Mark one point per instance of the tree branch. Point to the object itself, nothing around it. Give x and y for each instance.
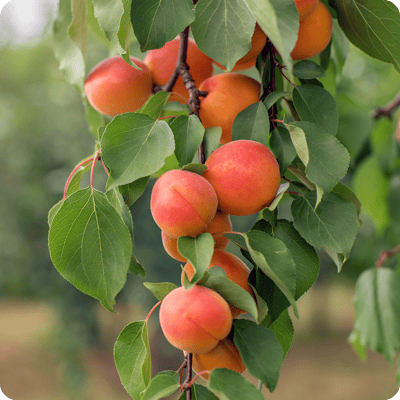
(385, 255)
(188, 379)
(388, 110)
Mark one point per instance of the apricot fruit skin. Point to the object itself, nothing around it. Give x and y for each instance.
(248, 61)
(220, 223)
(224, 355)
(162, 62)
(228, 94)
(245, 175)
(315, 32)
(114, 87)
(183, 203)
(305, 7)
(235, 269)
(195, 320)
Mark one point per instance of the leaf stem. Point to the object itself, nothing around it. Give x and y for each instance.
(73, 173)
(151, 311)
(385, 255)
(95, 158)
(189, 384)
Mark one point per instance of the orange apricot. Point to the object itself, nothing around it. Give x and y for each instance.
(245, 176)
(183, 203)
(224, 355)
(228, 94)
(220, 223)
(305, 7)
(195, 320)
(315, 32)
(115, 87)
(258, 41)
(235, 269)
(162, 62)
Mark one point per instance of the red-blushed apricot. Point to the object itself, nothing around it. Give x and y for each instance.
(245, 176)
(235, 269)
(315, 32)
(258, 41)
(305, 7)
(195, 320)
(228, 94)
(220, 223)
(162, 62)
(224, 355)
(115, 87)
(183, 203)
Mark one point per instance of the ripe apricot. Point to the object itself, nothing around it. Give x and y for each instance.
(305, 7)
(224, 355)
(162, 62)
(235, 269)
(220, 223)
(195, 320)
(245, 176)
(183, 203)
(315, 32)
(258, 41)
(115, 87)
(228, 94)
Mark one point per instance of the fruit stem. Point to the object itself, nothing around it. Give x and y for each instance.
(95, 158)
(189, 384)
(151, 311)
(73, 173)
(385, 255)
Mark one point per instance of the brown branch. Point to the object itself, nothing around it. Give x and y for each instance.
(186, 384)
(385, 255)
(388, 110)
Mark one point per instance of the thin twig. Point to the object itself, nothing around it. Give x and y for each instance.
(385, 255)
(388, 110)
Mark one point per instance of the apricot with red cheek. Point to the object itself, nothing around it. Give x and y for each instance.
(245, 175)
(183, 203)
(195, 320)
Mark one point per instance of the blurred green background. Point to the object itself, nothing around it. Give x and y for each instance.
(55, 342)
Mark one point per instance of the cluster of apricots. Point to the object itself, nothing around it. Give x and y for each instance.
(242, 178)
(114, 87)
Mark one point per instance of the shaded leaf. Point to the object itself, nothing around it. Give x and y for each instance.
(160, 290)
(273, 97)
(155, 105)
(283, 330)
(132, 191)
(307, 69)
(162, 385)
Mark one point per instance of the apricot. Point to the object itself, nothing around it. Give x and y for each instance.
(115, 87)
(228, 94)
(220, 223)
(315, 32)
(183, 203)
(162, 62)
(305, 7)
(195, 320)
(258, 41)
(245, 176)
(235, 269)
(224, 355)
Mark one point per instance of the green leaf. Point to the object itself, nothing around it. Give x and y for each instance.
(274, 259)
(134, 146)
(354, 340)
(347, 194)
(325, 158)
(334, 219)
(90, 245)
(252, 124)
(279, 19)
(273, 97)
(341, 46)
(53, 211)
(282, 147)
(283, 330)
(160, 290)
(315, 104)
(132, 358)
(232, 293)
(223, 30)
(212, 137)
(262, 306)
(188, 133)
(67, 52)
(155, 105)
(230, 385)
(132, 191)
(162, 385)
(95, 120)
(196, 168)
(260, 351)
(307, 69)
(78, 29)
(198, 251)
(199, 392)
(156, 22)
(377, 311)
(372, 26)
(278, 197)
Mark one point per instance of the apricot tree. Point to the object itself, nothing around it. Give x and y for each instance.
(239, 146)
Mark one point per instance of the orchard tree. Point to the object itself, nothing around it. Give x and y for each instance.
(222, 143)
